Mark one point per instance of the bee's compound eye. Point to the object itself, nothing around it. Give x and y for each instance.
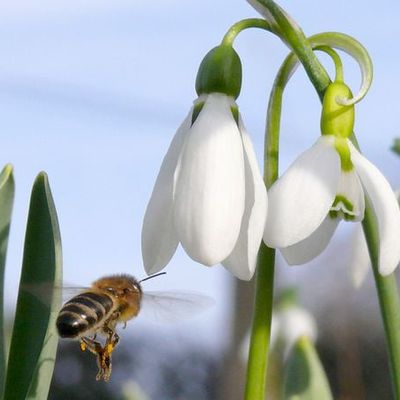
(111, 290)
(127, 290)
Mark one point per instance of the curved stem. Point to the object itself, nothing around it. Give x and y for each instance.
(235, 29)
(298, 43)
(336, 60)
(355, 49)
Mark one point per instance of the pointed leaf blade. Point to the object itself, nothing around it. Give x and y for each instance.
(33, 347)
(7, 189)
(305, 377)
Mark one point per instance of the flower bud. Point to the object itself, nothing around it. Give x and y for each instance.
(220, 72)
(337, 119)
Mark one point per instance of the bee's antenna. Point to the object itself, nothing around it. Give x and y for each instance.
(152, 276)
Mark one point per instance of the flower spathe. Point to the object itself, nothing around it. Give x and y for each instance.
(209, 194)
(326, 184)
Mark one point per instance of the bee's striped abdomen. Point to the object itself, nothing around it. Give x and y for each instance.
(82, 313)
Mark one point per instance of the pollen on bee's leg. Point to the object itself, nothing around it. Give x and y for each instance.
(83, 346)
(104, 364)
(109, 348)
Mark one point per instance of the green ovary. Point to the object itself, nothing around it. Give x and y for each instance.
(337, 119)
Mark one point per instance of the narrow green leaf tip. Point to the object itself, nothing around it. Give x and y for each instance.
(305, 377)
(34, 334)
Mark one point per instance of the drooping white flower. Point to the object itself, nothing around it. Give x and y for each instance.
(328, 183)
(209, 194)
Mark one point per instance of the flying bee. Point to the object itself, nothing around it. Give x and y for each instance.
(117, 299)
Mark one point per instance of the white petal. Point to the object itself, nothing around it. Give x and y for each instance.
(350, 188)
(301, 198)
(312, 246)
(209, 192)
(242, 260)
(360, 263)
(159, 239)
(386, 208)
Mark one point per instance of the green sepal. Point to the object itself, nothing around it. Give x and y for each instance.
(305, 377)
(196, 110)
(288, 298)
(235, 114)
(337, 119)
(220, 72)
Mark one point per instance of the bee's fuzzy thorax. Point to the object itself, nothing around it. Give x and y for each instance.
(117, 281)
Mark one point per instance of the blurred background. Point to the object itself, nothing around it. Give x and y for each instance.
(92, 93)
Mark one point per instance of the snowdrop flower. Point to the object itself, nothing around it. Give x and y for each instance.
(326, 184)
(289, 322)
(209, 194)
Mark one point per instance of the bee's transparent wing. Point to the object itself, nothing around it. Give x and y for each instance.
(173, 306)
(45, 292)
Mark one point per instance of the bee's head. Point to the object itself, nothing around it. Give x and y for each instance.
(120, 286)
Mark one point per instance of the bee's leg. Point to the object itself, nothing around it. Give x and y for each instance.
(112, 338)
(105, 365)
(91, 345)
(103, 357)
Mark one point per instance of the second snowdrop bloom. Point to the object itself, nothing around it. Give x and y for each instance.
(326, 184)
(209, 194)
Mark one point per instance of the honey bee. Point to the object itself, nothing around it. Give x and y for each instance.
(112, 300)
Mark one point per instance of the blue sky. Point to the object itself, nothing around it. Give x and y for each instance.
(92, 92)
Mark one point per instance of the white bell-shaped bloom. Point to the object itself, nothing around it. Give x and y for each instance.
(209, 194)
(315, 193)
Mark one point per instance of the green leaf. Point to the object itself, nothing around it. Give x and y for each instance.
(6, 205)
(34, 339)
(305, 377)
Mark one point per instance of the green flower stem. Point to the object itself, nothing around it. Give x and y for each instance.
(386, 286)
(261, 327)
(388, 294)
(389, 300)
(235, 29)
